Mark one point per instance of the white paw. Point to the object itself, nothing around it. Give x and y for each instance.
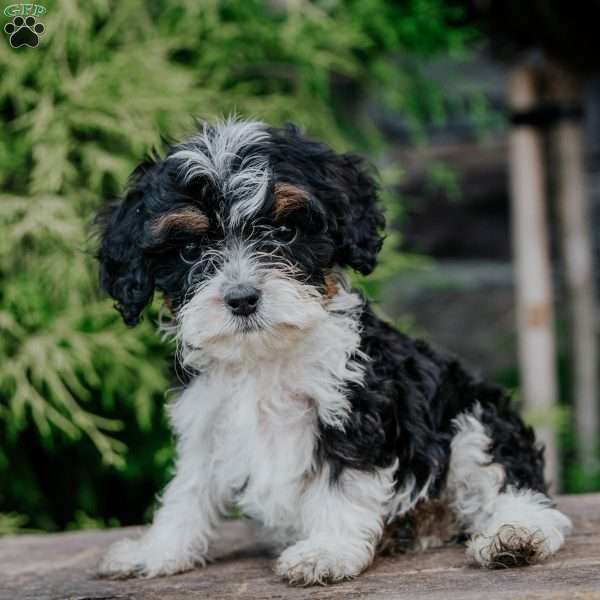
(319, 562)
(139, 558)
(520, 542)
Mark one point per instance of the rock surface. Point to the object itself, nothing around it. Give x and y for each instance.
(62, 566)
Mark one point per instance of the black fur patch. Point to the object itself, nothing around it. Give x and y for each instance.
(405, 410)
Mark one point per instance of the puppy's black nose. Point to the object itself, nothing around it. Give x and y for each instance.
(242, 299)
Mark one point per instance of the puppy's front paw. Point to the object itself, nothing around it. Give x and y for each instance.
(123, 559)
(139, 558)
(313, 562)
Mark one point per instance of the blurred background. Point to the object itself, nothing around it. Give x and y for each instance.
(483, 118)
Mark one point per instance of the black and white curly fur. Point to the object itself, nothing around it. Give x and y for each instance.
(341, 435)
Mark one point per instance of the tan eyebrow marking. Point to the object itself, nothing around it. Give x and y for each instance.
(189, 219)
(287, 199)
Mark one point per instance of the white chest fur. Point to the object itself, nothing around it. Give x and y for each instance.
(263, 445)
(252, 424)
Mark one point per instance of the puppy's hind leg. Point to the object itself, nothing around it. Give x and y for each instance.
(508, 526)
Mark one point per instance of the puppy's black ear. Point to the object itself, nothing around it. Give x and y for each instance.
(361, 222)
(344, 185)
(124, 270)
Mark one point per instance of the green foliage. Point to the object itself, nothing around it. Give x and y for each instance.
(11, 523)
(76, 388)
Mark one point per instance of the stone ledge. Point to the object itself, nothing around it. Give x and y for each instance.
(62, 566)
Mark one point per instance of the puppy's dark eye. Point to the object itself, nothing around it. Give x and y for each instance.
(285, 233)
(190, 252)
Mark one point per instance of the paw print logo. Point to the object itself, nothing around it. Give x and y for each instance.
(24, 32)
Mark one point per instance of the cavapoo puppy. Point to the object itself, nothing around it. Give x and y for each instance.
(341, 435)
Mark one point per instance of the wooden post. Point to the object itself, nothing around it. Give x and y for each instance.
(534, 296)
(577, 253)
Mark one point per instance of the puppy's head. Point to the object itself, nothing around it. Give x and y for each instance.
(241, 228)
